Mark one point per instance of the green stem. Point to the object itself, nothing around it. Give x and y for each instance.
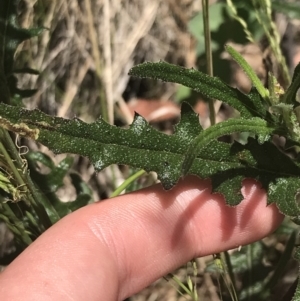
(181, 285)
(263, 11)
(15, 163)
(208, 53)
(227, 260)
(14, 224)
(127, 182)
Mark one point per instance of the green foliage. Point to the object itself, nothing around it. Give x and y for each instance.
(264, 113)
(291, 9)
(143, 147)
(233, 21)
(221, 19)
(212, 87)
(190, 150)
(28, 202)
(49, 183)
(11, 36)
(264, 93)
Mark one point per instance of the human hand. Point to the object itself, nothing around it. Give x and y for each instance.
(113, 249)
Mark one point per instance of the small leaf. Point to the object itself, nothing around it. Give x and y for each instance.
(264, 93)
(5, 184)
(211, 87)
(290, 95)
(40, 157)
(50, 181)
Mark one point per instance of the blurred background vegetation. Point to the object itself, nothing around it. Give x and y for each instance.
(83, 58)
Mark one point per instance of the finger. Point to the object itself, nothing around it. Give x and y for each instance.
(112, 249)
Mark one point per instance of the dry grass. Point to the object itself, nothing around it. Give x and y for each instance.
(86, 52)
(85, 55)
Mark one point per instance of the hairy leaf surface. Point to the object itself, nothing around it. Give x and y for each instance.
(206, 85)
(143, 147)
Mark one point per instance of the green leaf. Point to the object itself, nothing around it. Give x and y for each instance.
(292, 10)
(211, 87)
(277, 173)
(52, 178)
(143, 147)
(254, 125)
(240, 259)
(264, 93)
(290, 95)
(297, 292)
(84, 193)
(11, 36)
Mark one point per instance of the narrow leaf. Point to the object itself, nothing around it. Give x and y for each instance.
(249, 72)
(211, 87)
(290, 95)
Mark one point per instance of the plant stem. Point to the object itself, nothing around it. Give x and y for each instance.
(208, 53)
(96, 56)
(263, 11)
(127, 182)
(14, 224)
(211, 102)
(15, 163)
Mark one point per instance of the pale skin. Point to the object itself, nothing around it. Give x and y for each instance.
(113, 249)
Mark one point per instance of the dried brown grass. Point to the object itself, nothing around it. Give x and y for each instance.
(90, 46)
(86, 51)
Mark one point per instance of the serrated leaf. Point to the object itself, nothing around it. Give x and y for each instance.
(278, 174)
(143, 147)
(211, 87)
